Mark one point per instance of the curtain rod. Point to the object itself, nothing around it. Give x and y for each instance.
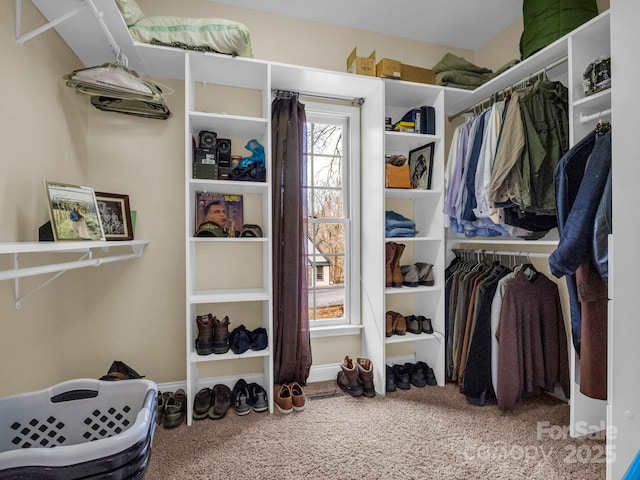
(558, 62)
(289, 94)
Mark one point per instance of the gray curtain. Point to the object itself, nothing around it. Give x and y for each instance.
(292, 343)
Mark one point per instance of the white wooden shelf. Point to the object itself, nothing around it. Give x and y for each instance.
(111, 252)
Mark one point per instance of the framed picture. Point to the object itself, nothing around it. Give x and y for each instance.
(421, 166)
(115, 215)
(73, 211)
(218, 214)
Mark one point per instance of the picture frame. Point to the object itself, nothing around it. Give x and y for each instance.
(73, 212)
(421, 166)
(115, 214)
(233, 206)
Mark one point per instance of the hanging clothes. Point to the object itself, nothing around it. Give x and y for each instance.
(581, 180)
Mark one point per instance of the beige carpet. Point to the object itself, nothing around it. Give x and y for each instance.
(423, 433)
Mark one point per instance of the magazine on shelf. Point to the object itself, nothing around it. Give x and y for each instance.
(232, 204)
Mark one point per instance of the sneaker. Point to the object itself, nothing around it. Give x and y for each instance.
(239, 340)
(425, 324)
(258, 398)
(240, 397)
(221, 402)
(174, 409)
(258, 339)
(413, 324)
(282, 398)
(297, 397)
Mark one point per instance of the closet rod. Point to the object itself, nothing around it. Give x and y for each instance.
(289, 94)
(595, 116)
(558, 62)
(504, 252)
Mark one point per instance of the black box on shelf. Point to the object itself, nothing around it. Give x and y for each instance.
(205, 163)
(224, 173)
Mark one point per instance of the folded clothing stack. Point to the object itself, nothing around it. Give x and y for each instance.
(398, 226)
(454, 71)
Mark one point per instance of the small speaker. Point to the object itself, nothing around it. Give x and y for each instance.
(208, 139)
(224, 152)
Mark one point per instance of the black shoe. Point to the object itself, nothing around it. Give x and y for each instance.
(240, 397)
(239, 340)
(390, 380)
(416, 376)
(258, 339)
(428, 373)
(425, 324)
(258, 398)
(402, 377)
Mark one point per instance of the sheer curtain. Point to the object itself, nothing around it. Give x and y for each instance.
(292, 343)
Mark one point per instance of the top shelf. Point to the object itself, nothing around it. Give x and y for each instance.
(45, 247)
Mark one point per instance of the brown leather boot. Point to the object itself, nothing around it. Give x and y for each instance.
(220, 335)
(348, 379)
(396, 272)
(204, 341)
(365, 373)
(390, 250)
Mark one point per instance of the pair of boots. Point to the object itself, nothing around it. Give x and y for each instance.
(213, 334)
(356, 378)
(419, 273)
(393, 272)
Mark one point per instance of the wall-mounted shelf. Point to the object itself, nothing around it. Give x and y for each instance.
(110, 252)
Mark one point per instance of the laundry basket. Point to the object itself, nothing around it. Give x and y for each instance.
(79, 429)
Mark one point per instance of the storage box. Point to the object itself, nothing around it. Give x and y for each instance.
(361, 65)
(409, 73)
(389, 68)
(100, 429)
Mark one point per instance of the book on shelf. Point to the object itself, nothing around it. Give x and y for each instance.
(231, 205)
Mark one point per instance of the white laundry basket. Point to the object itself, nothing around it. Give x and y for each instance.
(83, 428)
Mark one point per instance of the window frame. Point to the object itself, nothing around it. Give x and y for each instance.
(349, 115)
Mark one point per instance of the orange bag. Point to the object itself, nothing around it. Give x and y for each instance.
(397, 176)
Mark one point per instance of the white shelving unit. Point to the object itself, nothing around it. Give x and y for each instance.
(228, 274)
(109, 252)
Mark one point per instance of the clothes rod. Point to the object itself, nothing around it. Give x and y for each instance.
(289, 94)
(503, 252)
(528, 78)
(595, 116)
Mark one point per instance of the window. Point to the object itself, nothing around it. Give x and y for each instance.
(332, 155)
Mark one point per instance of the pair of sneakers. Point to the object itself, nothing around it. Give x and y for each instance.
(249, 396)
(289, 397)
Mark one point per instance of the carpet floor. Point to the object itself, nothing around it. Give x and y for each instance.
(421, 433)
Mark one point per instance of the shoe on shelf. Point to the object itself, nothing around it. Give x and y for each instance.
(220, 335)
(396, 271)
(409, 275)
(428, 373)
(258, 398)
(425, 324)
(399, 324)
(202, 403)
(240, 397)
(221, 402)
(425, 274)
(239, 340)
(297, 397)
(282, 398)
(416, 375)
(348, 379)
(174, 409)
(390, 251)
(413, 324)
(204, 340)
(388, 324)
(258, 339)
(390, 380)
(403, 381)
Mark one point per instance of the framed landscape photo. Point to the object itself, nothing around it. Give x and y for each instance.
(115, 215)
(421, 166)
(73, 212)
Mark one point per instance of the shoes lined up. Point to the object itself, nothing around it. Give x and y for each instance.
(356, 377)
(397, 275)
(398, 324)
(214, 337)
(214, 403)
(418, 374)
(171, 408)
(289, 397)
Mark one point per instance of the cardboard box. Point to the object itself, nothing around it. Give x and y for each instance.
(389, 68)
(361, 65)
(409, 73)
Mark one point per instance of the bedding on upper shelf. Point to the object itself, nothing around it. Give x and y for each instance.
(203, 34)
